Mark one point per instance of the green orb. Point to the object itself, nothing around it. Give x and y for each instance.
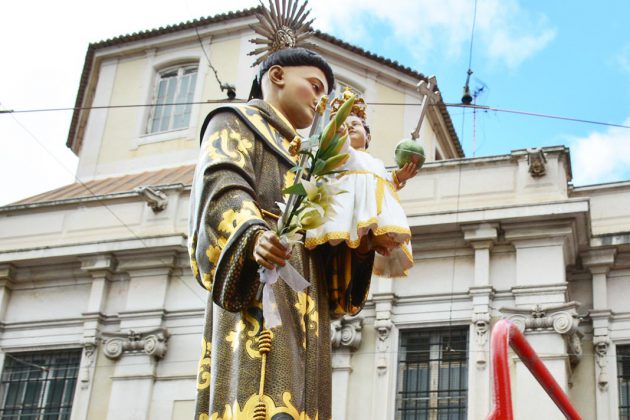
(409, 151)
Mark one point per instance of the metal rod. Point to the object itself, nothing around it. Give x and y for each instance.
(504, 333)
(321, 107)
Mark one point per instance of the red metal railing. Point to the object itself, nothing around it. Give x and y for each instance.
(504, 333)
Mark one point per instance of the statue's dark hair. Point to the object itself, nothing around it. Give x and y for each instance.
(292, 57)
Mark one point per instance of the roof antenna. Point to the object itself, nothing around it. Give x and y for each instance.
(467, 97)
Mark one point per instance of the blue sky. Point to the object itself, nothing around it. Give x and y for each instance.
(563, 58)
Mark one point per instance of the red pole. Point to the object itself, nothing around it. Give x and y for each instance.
(501, 372)
(505, 332)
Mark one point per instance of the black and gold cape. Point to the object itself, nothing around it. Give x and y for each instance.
(243, 166)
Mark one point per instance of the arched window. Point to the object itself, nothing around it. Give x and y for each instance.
(173, 94)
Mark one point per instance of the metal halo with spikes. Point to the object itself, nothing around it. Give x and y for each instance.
(281, 26)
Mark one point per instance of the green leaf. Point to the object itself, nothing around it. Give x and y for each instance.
(333, 163)
(327, 135)
(297, 189)
(296, 168)
(318, 167)
(344, 111)
(327, 152)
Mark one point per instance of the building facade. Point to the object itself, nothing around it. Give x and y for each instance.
(100, 317)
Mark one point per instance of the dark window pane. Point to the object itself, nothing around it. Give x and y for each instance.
(38, 385)
(433, 371)
(623, 381)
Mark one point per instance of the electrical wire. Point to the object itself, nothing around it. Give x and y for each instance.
(356, 354)
(231, 101)
(472, 36)
(119, 220)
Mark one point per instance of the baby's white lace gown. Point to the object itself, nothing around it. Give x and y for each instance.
(370, 203)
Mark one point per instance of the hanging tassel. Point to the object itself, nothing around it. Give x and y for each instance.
(264, 347)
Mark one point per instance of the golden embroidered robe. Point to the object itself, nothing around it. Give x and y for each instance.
(243, 167)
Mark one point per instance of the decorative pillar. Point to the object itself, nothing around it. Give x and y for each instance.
(386, 354)
(345, 337)
(140, 342)
(599, 263)
(554, 334)
(101, 269)
(137, 355)
(482, 238)
(149, 276)
(543, 251)
(7, 278)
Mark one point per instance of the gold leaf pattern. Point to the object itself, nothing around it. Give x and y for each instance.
(234, 337)
(309, 316)
(233, 219)
(230, 145)
(203, 376)
(235, 412)
(192, 245)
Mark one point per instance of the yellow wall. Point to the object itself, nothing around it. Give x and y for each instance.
(122, 131)
(121, 126)
(386, 123)
(225, 58)
(122, 135)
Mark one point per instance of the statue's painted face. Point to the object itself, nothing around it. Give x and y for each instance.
(301, 89)
(356, 132)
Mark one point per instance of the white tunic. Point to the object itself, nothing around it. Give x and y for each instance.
(369, 203)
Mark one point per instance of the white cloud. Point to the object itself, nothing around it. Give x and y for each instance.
(504, 33)
(601, 157)
(623, 59)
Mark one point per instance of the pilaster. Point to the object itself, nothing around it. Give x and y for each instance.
(553, 331)
(543, 251)
(136, 355)
(481, 238)
(385, 356)
(7, 279)
(345, 338)
(599, 262)
(100, 268)
(141, 340)
(149, 277)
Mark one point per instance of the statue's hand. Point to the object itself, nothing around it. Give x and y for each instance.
(269, 252)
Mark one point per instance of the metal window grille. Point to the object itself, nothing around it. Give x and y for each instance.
(39, 385)
(433, 374)
(623, 381)
(174, 86)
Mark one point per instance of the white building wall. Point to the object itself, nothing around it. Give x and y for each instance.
(490, 241)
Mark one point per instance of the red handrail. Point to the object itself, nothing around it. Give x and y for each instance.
(504, 333)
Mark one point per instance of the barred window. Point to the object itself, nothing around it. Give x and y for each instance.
(433, 374)
(39, 385)
(175, 85)
(623, 381)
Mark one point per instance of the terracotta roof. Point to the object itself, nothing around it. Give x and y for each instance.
(115, 185)
(136, 36)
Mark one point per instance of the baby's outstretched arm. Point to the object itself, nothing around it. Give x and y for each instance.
(401, 175)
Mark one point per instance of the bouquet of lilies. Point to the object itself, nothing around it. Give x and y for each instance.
(310, 201)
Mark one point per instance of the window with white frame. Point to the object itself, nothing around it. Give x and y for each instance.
(432, 381)
(623, 381)
(173, 94)
(39, 385)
